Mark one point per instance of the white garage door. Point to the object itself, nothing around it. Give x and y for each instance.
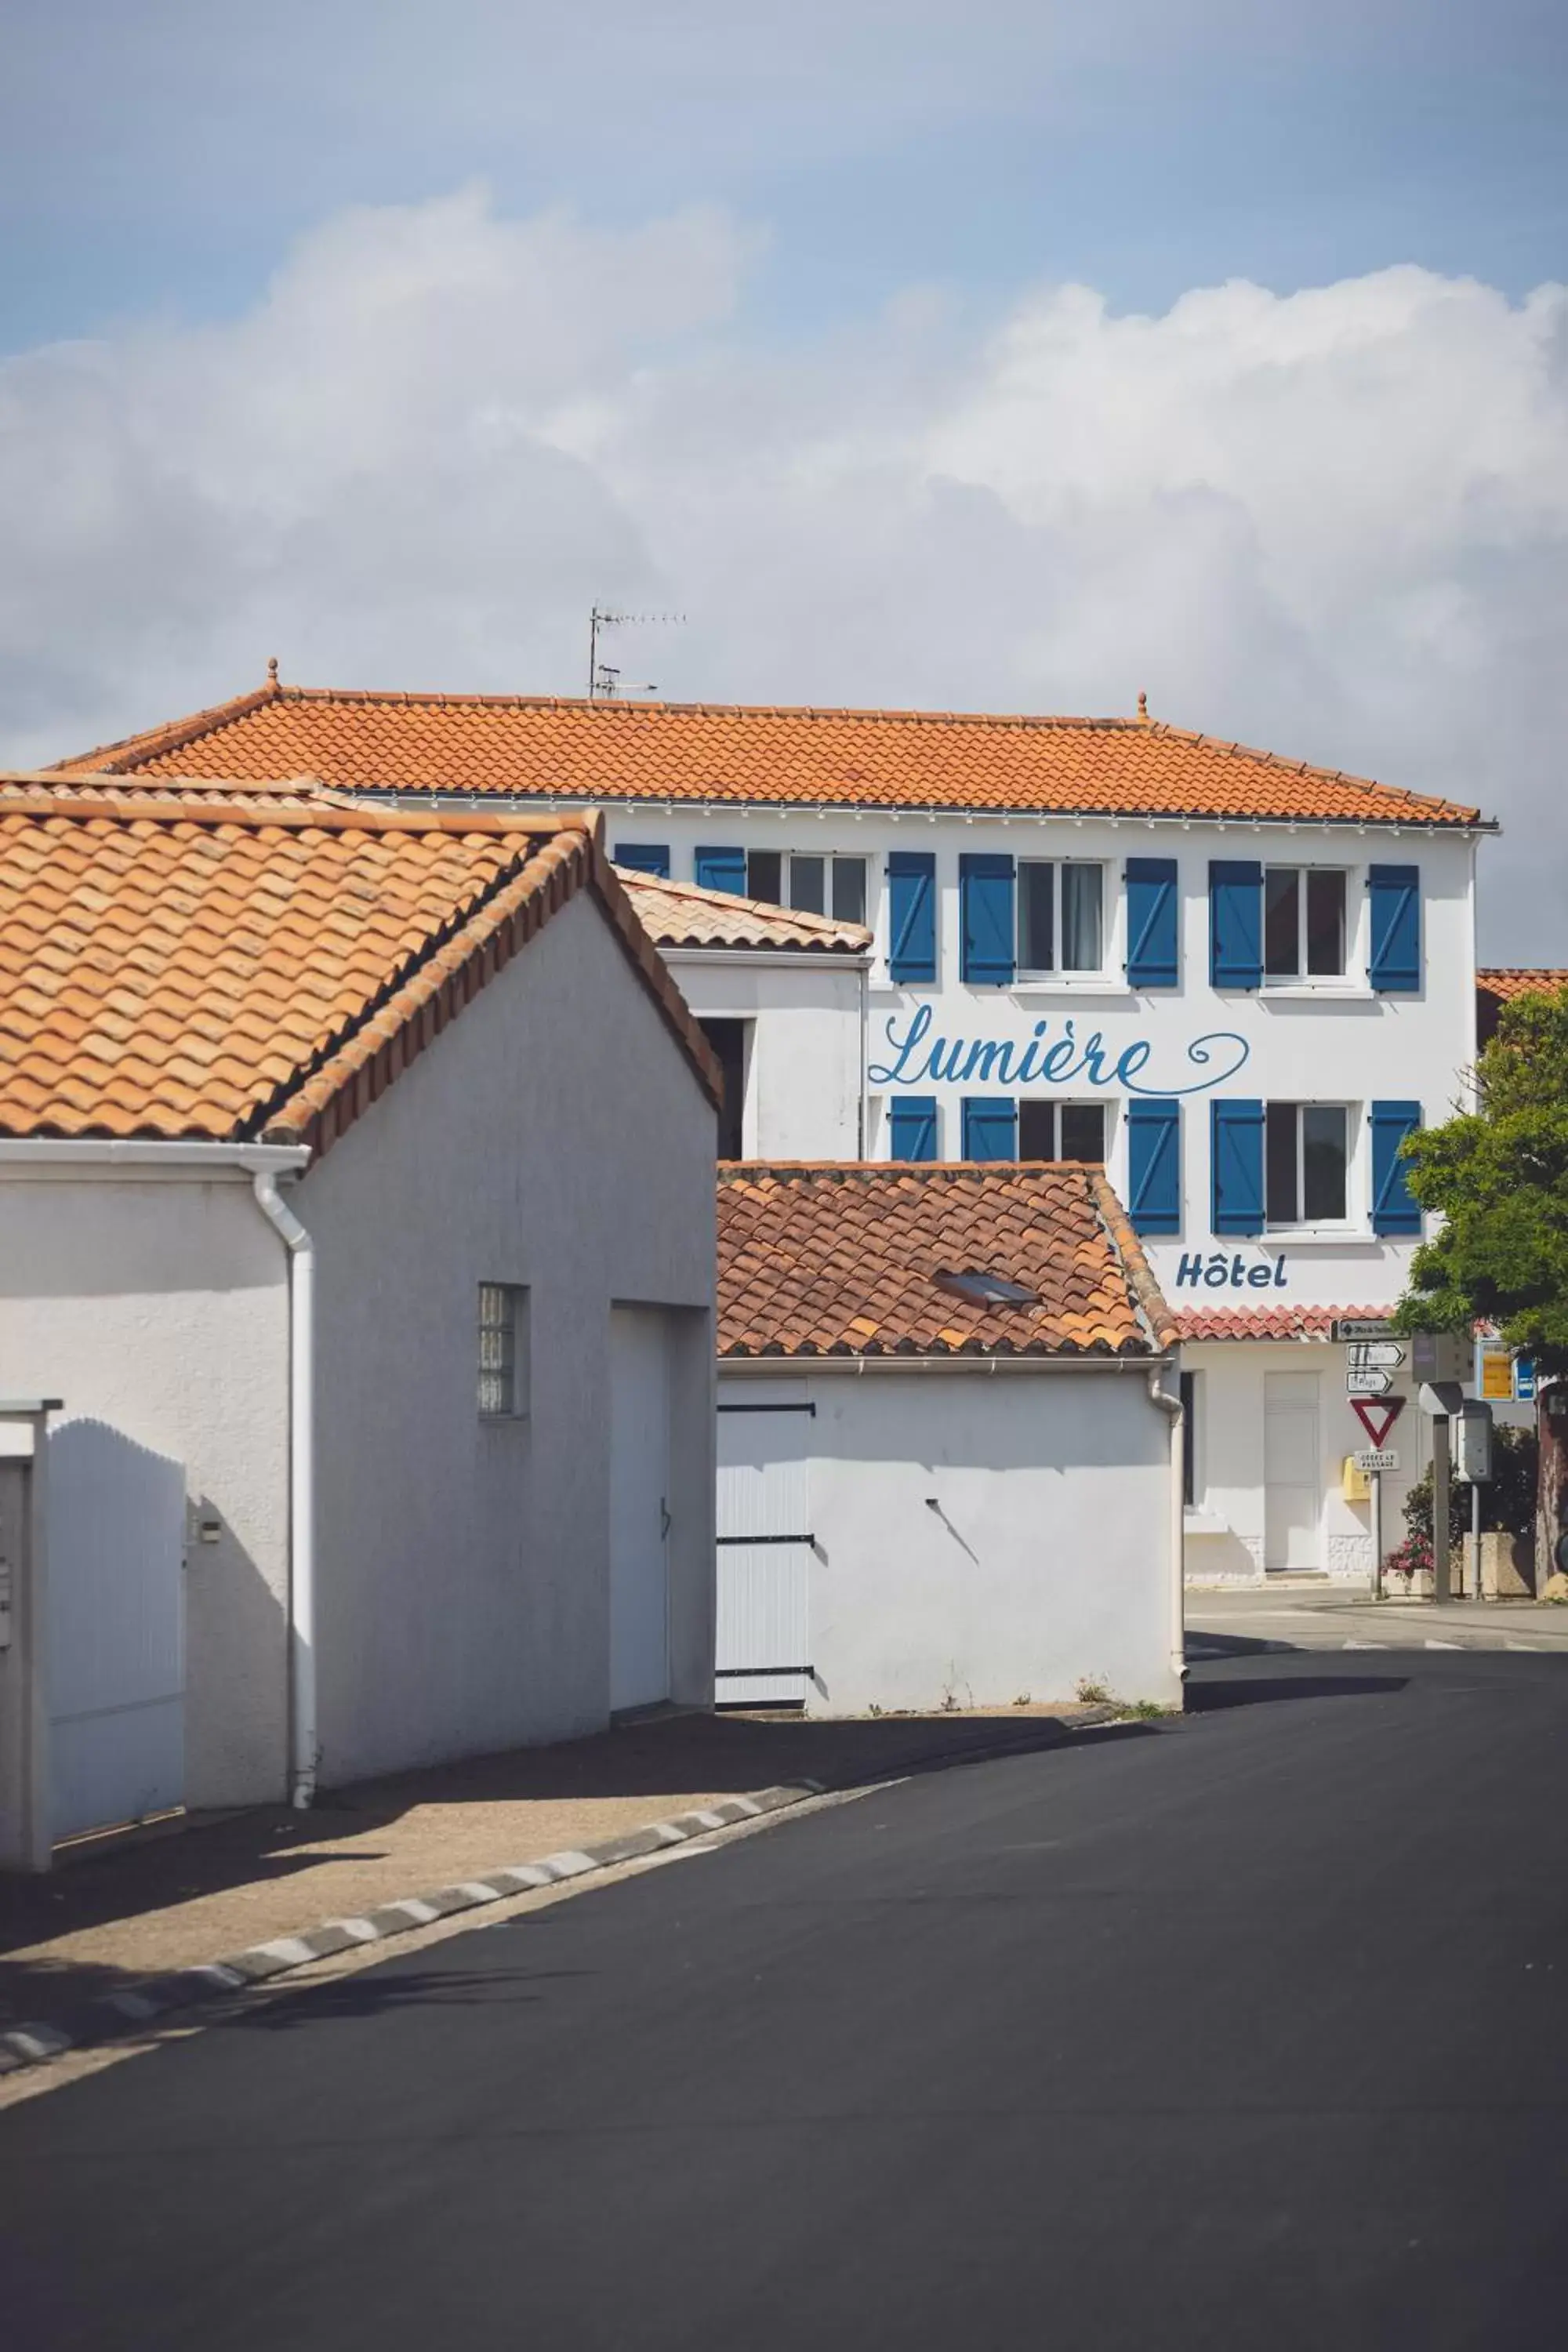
(639, 1507)
(762, 1655)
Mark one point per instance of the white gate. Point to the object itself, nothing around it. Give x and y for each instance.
(116, 1648)
(763, 1653)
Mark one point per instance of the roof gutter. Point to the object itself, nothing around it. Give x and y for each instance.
(797, 1366)
(908, 812)
(821, 957)
(184, 1162)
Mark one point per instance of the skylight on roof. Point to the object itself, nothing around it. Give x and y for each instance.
(984, 1290)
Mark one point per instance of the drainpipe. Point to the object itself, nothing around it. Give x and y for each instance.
(1172, 1407)
(301, 1487)
(863, 1121)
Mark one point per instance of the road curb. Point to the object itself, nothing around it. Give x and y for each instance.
(109, 2017)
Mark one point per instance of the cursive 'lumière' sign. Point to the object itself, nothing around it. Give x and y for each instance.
(1062, 1059)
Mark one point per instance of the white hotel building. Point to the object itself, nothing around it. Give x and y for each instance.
(1235, 980)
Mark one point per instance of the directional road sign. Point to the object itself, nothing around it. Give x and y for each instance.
(1368, 1384)
(1360, 1327)
(1366, 1353)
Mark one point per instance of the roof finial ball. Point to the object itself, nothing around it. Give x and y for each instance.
(1143, 703)
(271, 669)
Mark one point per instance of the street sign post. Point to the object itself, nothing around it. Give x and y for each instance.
(1377, 1420)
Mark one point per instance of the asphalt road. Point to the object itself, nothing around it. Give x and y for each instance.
(1249, 2031)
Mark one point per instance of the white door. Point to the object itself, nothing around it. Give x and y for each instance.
(1292, 1472)
(116, 1657)
(762, 1654)
(639, 1507)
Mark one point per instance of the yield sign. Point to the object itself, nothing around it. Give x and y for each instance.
(1377, 1416)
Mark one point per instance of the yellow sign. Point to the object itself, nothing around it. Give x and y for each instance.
(1497, 1372)
(1356, 1485)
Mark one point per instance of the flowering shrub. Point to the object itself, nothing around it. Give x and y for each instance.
(1412, 1557)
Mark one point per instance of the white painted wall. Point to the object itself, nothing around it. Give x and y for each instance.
(1046, 1561)
(555, 1137)
(804, 1065)
(1225, 1526)
(160, 1307)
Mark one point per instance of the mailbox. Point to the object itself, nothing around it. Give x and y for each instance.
(1473, 1442)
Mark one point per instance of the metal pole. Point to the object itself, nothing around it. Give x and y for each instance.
(1476, 1533)
(1377, 1535)
(1440, 1545)
(593, 650)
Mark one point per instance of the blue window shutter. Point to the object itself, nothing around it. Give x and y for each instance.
(990, 1127)
(986, 903)
(1154, 1166)
(1151, 953)
(1393, 1210)
(1236, 922)
(1236, 1166)
(913, 1127)
(644, 857)
(722, 869)
(1395, 929)
(911, 915)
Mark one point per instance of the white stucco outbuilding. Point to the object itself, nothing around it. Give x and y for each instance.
(315, 1193)
(950, 1450)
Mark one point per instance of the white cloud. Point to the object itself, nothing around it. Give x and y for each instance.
(1334, 522)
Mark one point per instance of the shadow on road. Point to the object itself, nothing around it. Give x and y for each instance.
(1212, 1697)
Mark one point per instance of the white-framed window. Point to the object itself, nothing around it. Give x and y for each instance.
(503, 1351)
(1061, 916)
(821, 884)
(1303, 922)
(1050, 1129)
(814, 882)
(1306, 1163)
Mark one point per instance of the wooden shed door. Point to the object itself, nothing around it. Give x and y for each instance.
(762, 1655)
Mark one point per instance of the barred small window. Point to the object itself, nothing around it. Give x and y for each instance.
(502, 1351)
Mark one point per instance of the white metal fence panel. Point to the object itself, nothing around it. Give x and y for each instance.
(762, 1654)
(116, 1628)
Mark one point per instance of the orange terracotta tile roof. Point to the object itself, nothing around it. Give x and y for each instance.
(140, 785)
(231, 973)
(1504, 984)
(702, 752)
(1268, 1322)
(681, 915)
(817, 1259)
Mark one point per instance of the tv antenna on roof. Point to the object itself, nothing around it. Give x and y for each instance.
(604, 677)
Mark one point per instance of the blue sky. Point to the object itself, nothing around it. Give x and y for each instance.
(160, 157)
(1003, 356)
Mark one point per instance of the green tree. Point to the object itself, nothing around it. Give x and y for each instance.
(1499, 1176)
